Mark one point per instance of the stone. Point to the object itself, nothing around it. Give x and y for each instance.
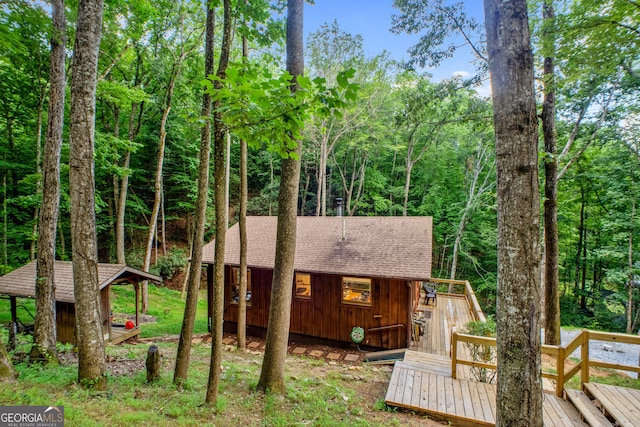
(299, 350)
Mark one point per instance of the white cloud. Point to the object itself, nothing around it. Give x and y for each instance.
(461, 74)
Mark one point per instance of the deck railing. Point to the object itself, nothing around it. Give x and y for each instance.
(468, 292)
(559, 353)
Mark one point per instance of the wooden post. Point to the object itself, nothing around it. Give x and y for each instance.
(454, 354)
(560, 367)
(153, 364)
(584, 354)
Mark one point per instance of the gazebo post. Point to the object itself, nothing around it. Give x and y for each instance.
(136, 286)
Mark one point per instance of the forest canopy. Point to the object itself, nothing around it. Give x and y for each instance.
(385, 138)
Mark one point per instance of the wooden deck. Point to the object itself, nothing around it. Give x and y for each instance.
(460, 401)
(440, 317)
(119, 334)
(422, 381)
(620, 403)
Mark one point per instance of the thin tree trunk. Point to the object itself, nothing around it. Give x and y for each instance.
(155, 212)
(36, 211)
(132, 133)
(194, 270)
(220, 180)
(630, 277)
(583, 265)
(44, 337)
(519, 394)
(576, 285)
(272, 374)
(242, 227)
(551, 291)
(89, 334)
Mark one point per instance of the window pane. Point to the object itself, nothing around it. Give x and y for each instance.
(356, 290)
(303, 285)
(235, 285)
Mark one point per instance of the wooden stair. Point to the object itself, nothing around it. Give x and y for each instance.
(589, 412)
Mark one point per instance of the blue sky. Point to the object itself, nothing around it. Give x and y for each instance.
(372, 19)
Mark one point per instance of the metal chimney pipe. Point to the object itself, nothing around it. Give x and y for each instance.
(339, 207)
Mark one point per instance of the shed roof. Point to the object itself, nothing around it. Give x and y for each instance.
(22, 281)
(393, 247)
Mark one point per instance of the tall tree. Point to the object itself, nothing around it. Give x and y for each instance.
(188, 40)
(241, 332)
(272, 374)
(331, 51)
(44, 336)
(551, 285)
(184, 346)
(221, 201)
(89, 335)
(519, 395)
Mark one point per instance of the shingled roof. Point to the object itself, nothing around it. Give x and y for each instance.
(394, 247)
(22, 281)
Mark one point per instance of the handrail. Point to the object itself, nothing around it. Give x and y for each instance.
(560, 354)
(478, 314)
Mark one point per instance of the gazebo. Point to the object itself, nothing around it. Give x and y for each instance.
(21, 283)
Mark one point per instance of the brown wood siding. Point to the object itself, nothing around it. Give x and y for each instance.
(65, 322)
(325, 316)
(105, 304)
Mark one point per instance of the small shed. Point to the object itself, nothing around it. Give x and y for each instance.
(350, 272)
(21, 283)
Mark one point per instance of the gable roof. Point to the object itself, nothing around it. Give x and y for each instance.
(22, 281)
(393, 247)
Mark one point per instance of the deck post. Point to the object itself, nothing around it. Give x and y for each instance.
(584, 354)
(560, 367)
(454, 353)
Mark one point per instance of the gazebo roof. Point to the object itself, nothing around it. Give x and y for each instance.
(392, 247)
(22, 281)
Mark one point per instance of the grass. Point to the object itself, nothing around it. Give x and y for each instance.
(164, 304)
(317, 394)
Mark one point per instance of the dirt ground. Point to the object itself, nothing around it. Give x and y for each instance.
(372, 379)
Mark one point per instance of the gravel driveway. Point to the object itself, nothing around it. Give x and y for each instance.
(611, 352)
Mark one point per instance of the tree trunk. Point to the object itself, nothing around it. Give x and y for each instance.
(272, 374)
(576, 283)
(551, 291)
(194, 274)
(583, 267)
(153, 364)
(7, 372)
(407, 181)
(36, 211)
(241, 333)
(519, 394)
(89, 335)
(44, 336)
(124, 185)
(630, 277)
(220, 196)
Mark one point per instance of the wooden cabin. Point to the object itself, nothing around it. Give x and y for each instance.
(21, 283)
(350, 272)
